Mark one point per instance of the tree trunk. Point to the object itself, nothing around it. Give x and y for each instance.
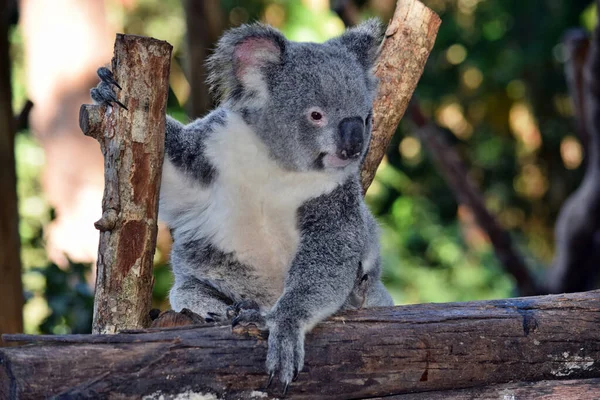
(132, 142)
(11, 290)
(204, 24)
(408, 41)
(372, 352)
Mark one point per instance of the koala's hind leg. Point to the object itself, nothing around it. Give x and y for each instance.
(203, 297)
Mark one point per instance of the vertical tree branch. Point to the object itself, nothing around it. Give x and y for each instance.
(11, 290)
(204, 24)
(408, 41)
(132, 142)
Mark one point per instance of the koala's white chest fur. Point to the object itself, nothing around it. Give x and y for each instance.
(251, 208)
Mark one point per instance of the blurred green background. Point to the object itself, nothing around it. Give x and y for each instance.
(494, 80)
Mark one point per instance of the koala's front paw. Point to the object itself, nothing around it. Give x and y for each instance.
(235, 309)
(104, 93)
(286, 352)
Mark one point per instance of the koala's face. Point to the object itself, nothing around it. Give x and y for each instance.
(311, 104)
(318, 112)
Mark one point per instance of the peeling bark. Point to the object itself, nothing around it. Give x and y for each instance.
(132, 142)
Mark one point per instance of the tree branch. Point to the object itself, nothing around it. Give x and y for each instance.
(408, 41)
(132, 142)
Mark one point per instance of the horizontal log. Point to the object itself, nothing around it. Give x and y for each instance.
(573, 389)
(369, 353)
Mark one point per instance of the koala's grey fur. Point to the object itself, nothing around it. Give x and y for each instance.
(261, 204)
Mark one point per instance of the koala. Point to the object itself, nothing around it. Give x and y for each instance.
(262, 195)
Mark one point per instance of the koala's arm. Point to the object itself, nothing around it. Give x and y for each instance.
(185, 145)
(320, 278)
(186, 168)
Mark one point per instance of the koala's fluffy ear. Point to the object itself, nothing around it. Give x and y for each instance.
(241, 58)
(363, 40)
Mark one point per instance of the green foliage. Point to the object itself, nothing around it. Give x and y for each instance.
(69, 297)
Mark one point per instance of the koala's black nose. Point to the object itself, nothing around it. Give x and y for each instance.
(350, 139)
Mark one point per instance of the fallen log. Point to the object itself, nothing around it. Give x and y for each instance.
(376, 352)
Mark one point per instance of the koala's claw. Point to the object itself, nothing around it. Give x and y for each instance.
(103, 93)
(271, 376)
(286, 352)
(213, 317)
(249, 317)
(106, 75)
(235, 309)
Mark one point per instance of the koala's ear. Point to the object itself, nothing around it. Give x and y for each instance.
(241, 57)
(363, 41)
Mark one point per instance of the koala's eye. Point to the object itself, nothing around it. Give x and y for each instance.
(316, 116)
(364, 278)
(369, 119)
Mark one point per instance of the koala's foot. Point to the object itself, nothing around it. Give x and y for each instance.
(172, 318)
(104, 93)
(235, 309)
(246, 319)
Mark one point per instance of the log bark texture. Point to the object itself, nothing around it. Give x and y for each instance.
(408, 41)
(570, 389)
(11, 290)
(369, 353)
(132, 142)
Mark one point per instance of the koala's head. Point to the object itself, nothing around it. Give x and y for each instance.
(311, 104)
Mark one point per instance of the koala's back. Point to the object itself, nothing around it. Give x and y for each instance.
(238, 231)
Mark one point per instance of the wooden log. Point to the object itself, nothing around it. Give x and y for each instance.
(369, 353)
(408, 41)
(572, 389)
(132, 142)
